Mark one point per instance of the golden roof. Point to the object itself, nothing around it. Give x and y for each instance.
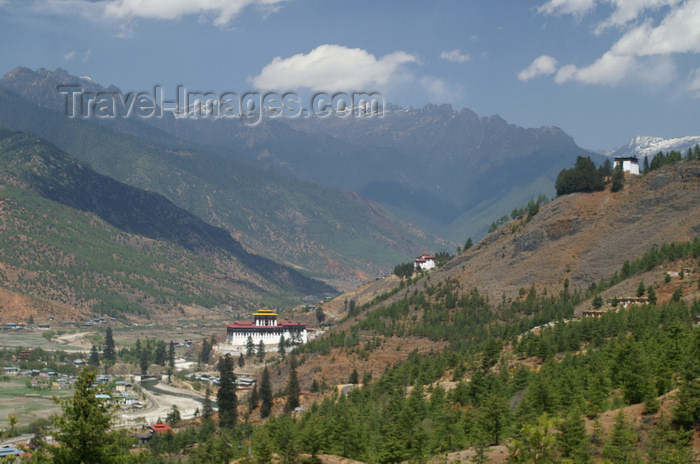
(265, 312)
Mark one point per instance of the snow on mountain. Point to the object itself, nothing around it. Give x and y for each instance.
(644, 145)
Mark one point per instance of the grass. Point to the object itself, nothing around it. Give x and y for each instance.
(32, 340)
(13, 400)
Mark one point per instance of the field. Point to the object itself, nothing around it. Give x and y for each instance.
(26, 403)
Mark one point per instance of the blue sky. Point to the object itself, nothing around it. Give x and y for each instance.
(602, 70)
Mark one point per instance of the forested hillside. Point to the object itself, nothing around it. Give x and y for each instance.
(518, 381)
(71, 236)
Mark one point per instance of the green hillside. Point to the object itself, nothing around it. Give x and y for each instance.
(73, 236)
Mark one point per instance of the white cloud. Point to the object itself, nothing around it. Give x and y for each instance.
(678, 32)
(69, 56)
(456, 56)
(88, 54)
(333, 68)
(612, 69)
(609, 69)
(565, 73)
(221, 12)
(440, 91)
(541, 66)
(572, 7)
(694, 82)
(652, 31)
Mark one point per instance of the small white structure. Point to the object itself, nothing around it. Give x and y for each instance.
(425, 262)
(629, 164)
(266, 328)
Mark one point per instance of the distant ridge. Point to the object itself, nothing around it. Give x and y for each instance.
(335, 235)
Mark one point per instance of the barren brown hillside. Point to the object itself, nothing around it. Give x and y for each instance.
(584, 236)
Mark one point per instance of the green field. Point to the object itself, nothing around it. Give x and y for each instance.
(30, 340)
(26, 403)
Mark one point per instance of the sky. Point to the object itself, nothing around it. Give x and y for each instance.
(602, 70)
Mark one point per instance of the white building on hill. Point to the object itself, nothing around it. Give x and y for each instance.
(629, 164)
(266, 328)
(425, 262)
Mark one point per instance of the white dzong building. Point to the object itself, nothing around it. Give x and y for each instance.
(266, 328)
(629, 164)
(425, 262)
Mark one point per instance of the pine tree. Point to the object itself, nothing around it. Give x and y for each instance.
(292, 387)
(144, 361)
(160, 354)
(171, 355)
(651, 295)
(494, 417)
(573, 440)
(621, 447)
(226, 396)
(667, 445)
(686, 412)
(265, 394)
(250, 347)
(618, 178)
(253, 399)
(468, 244)
(281, 348)
(173, 416)
(261, 446)
(241, 361)
(640, 289)
(597, 301)
(206, 349)
(84, 429)
(109, 352)
(354, 377)
(261, 351)
(207, 407)
(94, 359)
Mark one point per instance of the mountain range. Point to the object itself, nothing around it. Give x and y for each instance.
(646, 146)
(329, 233)
(447, 172)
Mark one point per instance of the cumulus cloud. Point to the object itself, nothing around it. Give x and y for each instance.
(651, 32)
(678, 32)
(69, 56)
(611, 69)
(333, 68)
(221, 12)
(541, 66)
(456, 56)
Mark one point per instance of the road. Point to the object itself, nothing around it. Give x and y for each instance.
(161, 397)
